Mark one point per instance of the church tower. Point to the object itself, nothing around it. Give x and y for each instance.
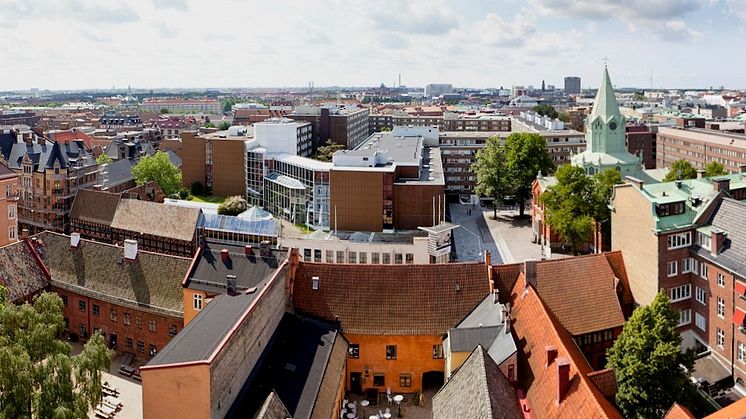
(605, 136)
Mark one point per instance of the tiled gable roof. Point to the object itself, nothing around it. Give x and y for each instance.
(20, 273)
(504, 277)
(273, 408)
(580, 292)
(391, 299)
(94, 206)
(536, 329)
(605, 381)
(728, 216)
(678, 411)
(71, 135)
(156, 219)
(477, 390)
(152, 282)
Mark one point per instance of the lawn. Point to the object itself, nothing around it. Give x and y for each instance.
(211, 199)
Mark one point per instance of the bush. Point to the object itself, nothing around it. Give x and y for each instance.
(174, 196)
(183, 194)
(233, 205)
(197, 188)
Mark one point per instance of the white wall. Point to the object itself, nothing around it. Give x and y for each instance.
(277, 137)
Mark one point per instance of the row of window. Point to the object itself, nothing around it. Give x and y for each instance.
(128, 341)
(379, 380)
(391, 351)
(384, 258)
(96, 312)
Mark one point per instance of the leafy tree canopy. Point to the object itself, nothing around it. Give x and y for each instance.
(525, 156)
(489, 168)
(325, 152)
(546, 109)
(224, 125)
(104, 159)
(681, 170)
(648, 362)
(714, 168)
(233, 205)
(158, 168)
(39, 378)
(567, 204)
(165, 110)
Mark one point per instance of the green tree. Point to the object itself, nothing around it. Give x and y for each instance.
(714, 168)
(603, 188)
(680, 170)
(197, 188)
(546, 109)
(569, 209)
(228, 104)
(326, 151)
(525, 156)
(104, 159)
(492, 178)
(224, 125)
(158, 168)
(647, 360)
(638, 96)
(564, 117)
(233, 205)
(165, 110)
(39, 378)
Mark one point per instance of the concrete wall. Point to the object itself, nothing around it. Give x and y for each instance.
(356, 200)
(235, 362)
(182, 392)
(631, 225)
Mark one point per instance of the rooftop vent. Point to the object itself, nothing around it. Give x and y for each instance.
(74, 239)
(230, 282)
(130, 249)
(224, 255)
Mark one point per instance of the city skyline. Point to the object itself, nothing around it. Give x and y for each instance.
(80, 44)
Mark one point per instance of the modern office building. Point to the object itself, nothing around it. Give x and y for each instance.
(176, 105)
(572, 85)
(700, 147)
(284, 135)
(447, 121)
(348, 127)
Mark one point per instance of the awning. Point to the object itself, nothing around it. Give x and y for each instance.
(740, 288)
(738, 317)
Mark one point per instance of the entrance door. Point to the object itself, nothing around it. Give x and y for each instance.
(356, 382)
(113, 341)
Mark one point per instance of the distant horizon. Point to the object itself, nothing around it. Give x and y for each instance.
(76, 44)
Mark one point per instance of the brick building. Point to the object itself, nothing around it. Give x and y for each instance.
(133, 297)
(700, 147)
(641, 141)
(8, 205)
(687, 238)
(215, 160)
(348, 127)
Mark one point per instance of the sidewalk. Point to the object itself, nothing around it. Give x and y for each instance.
(474, 236)
(513, 236)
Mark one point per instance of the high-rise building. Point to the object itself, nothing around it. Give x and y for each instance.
(438, 89)
(572, 85)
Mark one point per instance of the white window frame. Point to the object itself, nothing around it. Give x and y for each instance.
(680, 293)
(720, 338)
(679, 240)
(741, 352)
(197, 302)
(701, 295)
(688, 265)
(700, 321)
(721, 308)
(721, 280)
(703, 240)
(703, 270)
(12, 232)
(685, 317)
(12, 210)
(672, 268)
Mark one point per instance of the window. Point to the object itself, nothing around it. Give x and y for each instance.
(64, 300)
(673, 268)
(741, 352)
(113, 315)
(378, 380)
(317, 255)
(351, 257)
(409, 258)
(138, 322)
(354, 351)
(390, 351)
(676, 241)
(307, 255)
(152, 325)
(685, 317)
(703, 240)
(669, 209)
(437, 351)
(363, 257)
(197, 301)
(700, 321)
(329, 256)
(128, 342)
(152, 350)
(340, 256)
(720, 338)
(721, 308)
(375, 258)
(701, 296)
(140, 346)
(721, 280)
(81, 305)
(681, 293)
(398, 259)
(405, 380)
(12, 232)
(83, 330)
(386, 258)
(96, 310)
(12, 211)
(688, 265)
(703, 271)
(172, 330)
(126, 319)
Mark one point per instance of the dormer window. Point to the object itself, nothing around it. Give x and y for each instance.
(672, 208)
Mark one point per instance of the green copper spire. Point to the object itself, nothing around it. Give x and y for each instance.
(605, 105)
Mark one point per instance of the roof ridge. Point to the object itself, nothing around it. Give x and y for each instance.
(82, 239)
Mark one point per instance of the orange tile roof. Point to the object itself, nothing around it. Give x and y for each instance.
(735, 410)
(391, 299)
(580, 292)
(678, 411)
(616, 261)
(68, 136)
(535, 328)
(504, 277)
(605, 380)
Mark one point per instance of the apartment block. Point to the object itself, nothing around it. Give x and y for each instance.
(348, 127)
(700, 147)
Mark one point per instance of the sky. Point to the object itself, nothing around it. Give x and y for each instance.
(77, 44)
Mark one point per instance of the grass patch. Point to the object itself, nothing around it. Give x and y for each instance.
(210, 199)
(304, 228)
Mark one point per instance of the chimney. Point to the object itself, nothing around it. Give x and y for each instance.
(551, 355)
(635, 181)
(488, 258)
(495, 296)
(717, 239)
(230, 282)
(24, 234)
(563, 379)
(529, 271)
(248, 250)
(700, 174)
(130, 249)
(721, 184)
(74, 240)
(265, 249)
(224, 255)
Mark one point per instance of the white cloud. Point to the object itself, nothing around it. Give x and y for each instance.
(420, 17)
(171, 4)
(737, 8)
(624, 9)
(495, 31)
(676, 31)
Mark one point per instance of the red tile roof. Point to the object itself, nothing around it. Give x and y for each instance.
(605, 380)
(580, 292)
(535, 329)
(735, 410)
(68, 136)
(678, 411)
(391, 299)
(616, 261)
